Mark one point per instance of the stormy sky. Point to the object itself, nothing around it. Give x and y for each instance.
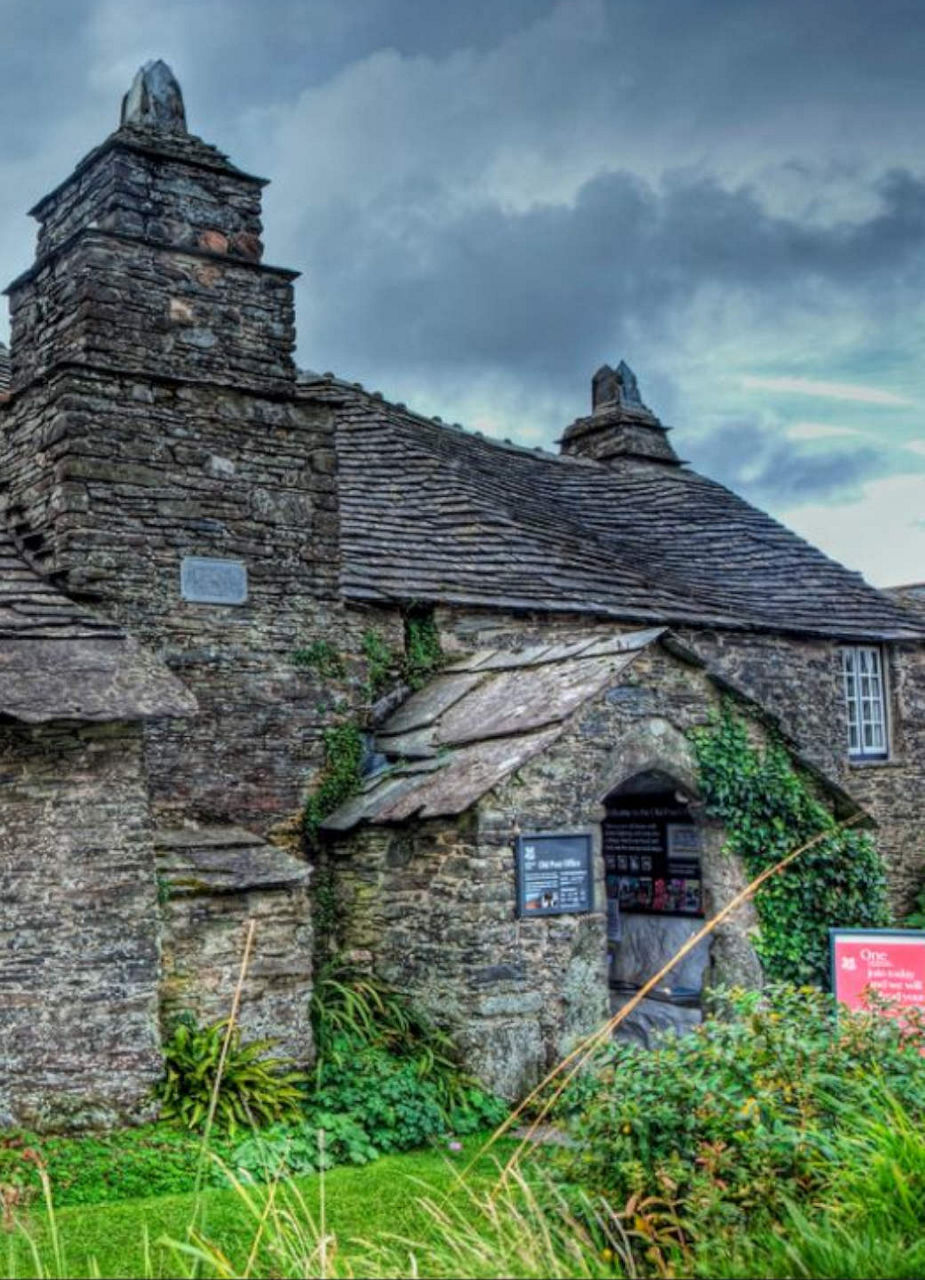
(490, 198)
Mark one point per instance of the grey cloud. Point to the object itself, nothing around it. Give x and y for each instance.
(539, 293)
(754, 461)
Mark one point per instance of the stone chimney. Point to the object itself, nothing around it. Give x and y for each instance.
(159, 460)
(620, 425)
(149, 257)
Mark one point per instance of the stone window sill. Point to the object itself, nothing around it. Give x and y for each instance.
(892, 763)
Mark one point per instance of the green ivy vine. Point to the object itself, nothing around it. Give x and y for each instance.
(768, 809)
(423, 652)
(340, 776)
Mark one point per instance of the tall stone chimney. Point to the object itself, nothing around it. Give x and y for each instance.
(620, 425)
(158, 458)
(149, 258)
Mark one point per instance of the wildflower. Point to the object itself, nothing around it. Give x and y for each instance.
(455, 1146)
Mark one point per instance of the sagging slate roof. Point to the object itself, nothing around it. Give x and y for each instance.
(479, 720)
(60, 662)
(431, 513)
(456, 739)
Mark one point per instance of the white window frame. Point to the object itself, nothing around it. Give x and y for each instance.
(866, 702)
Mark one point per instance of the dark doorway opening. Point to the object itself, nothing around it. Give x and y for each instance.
(651, 844)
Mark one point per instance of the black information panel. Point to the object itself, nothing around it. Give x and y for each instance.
(554, 874)
(652, 857)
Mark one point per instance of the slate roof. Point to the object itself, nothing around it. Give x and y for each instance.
(472, 725)
(60, 662)
(6, 372)
(216, 860)
(479, 720)
(431, 513)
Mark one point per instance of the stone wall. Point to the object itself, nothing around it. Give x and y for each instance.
(111, 482)
(78, 927)
(213, 884)
(800, 681)
(431, 905)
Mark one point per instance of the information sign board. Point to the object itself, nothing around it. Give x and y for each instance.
(886, 963)
(208, 581)
(554, 873)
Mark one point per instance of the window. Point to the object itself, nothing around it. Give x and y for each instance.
(865, 699)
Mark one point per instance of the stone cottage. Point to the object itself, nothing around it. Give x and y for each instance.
(184, 511)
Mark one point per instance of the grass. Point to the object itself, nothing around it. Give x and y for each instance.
(360, 1204)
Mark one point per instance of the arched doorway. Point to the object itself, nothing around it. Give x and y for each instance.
(651, 843)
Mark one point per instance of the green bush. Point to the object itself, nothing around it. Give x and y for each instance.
(867, 1220)
(373, 1105)
(254, 1089)
(769, 809)
(385, 1062)
(731, 1121)
(354, 1010)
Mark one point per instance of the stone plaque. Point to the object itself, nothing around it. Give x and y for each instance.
(554, 874)
(207, 581)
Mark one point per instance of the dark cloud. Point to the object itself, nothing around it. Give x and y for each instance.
(541, 293)
(756, 462)
(505, 193)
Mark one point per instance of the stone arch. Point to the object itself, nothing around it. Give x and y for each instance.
(655, 763)
(654, 746)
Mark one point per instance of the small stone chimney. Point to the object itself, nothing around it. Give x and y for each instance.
(620, 425)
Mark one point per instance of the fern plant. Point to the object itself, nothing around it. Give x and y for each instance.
(353, 1010)
(254, 1089)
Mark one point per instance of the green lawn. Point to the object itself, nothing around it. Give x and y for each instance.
(361, 1203)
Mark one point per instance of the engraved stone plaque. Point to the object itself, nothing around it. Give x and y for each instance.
(207, 581)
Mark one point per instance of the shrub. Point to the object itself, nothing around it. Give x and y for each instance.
(354, 1011)
(254, 1088)
(734, 1119)
(386, 1064)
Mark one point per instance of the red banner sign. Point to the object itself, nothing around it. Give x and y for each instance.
(886, 963)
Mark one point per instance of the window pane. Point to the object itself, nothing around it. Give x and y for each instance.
(865, 702)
